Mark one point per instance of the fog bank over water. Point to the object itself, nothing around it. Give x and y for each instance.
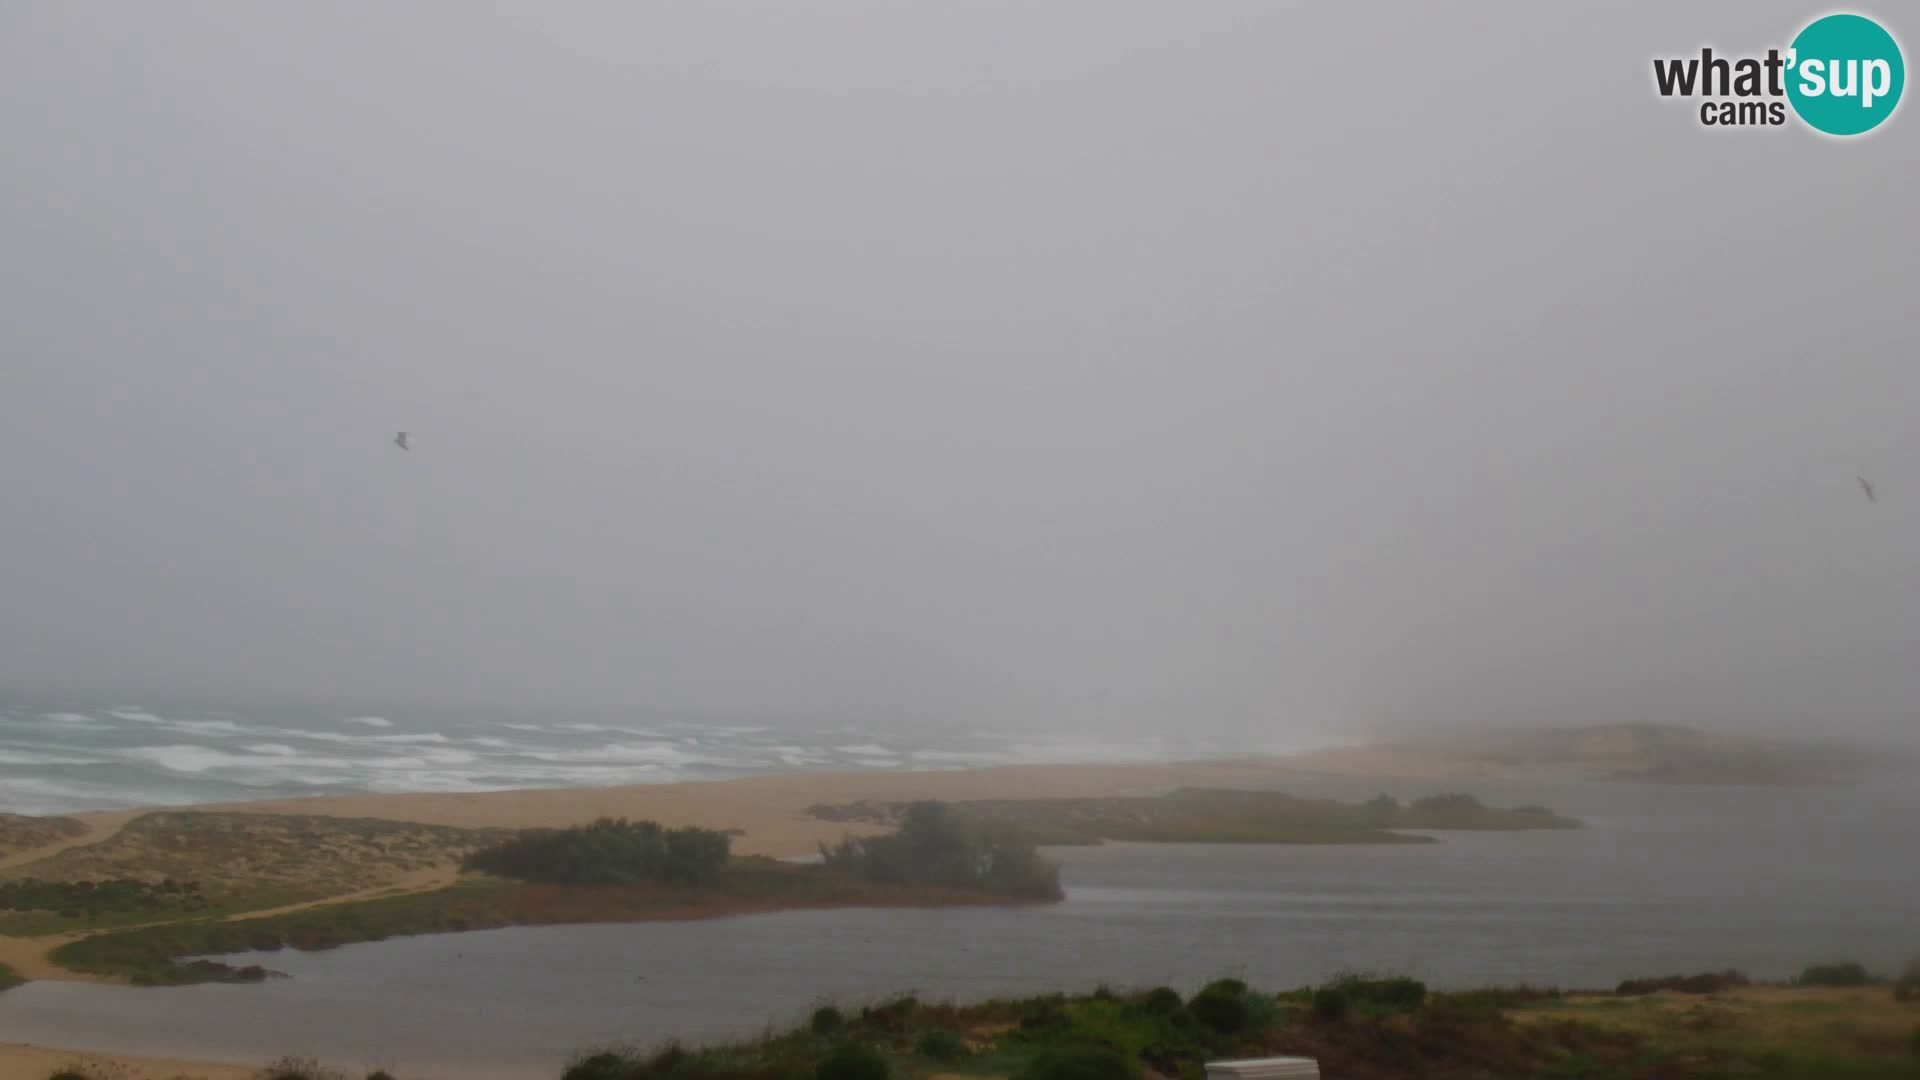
(1071, 370)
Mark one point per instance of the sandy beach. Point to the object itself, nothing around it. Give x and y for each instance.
(771, 811)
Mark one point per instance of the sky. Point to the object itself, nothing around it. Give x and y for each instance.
(1240, 368)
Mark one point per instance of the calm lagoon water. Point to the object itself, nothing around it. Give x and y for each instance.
(1664, 879)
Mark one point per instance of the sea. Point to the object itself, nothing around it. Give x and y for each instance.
(1662, 879)
(60, 755)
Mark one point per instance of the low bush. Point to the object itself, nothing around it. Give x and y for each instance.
(1396, 993)
(827, 1020)
(1079, 1063)
(1709, 982)
(936, 846)
(69, 1074)
(608, 852)
(941, 1044)
(1841, 974)
(852, 1061)
(606, 1065)
(1331, 1004)
(1223, 1007)
(1161, 1001)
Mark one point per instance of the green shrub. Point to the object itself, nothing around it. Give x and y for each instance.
(1043, 1014)
(668, 1060)
(941, 1044)
(1079, 1063)
(1223, 1007)
(608, 852)
(1710, 982)
(1394, 994)
(1161, 1001)
(936, 846)
(606, 1065)
(69, 1073)
(1330, 1003)
(1913, 1044)
(851, 1061)
(1842, 974)
(380, 1074)
(827, 1020)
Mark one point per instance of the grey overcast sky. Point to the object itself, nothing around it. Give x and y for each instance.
(1235, 367)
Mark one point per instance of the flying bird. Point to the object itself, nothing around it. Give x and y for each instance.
(1866, 486)
(400, 440)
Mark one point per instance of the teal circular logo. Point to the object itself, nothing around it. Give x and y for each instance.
(1845, 75)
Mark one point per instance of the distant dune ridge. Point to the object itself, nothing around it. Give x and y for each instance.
(1630, 752)
(20, 833)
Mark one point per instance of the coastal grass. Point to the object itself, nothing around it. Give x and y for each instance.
(1386, 1029)
(152, 955)
(9, 978)
(227, 857)
(1390, 1028)
(28, 923)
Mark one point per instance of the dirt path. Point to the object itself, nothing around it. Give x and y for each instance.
(28, 956)
(100, 826)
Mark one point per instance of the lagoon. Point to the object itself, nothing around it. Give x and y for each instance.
(1663, 879)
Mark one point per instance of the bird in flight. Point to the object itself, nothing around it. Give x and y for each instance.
(400, 440)
(1866, 486)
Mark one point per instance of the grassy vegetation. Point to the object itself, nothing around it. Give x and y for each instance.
(1357, 1027)
(9, 978)
(152, 955)
(20, 832)
(234, 857)
(608, 852)
(1209, 815)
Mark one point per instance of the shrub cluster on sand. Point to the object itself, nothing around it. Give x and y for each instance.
(936, 846)
(1222, 815)
(92, 899)
(1848, 973)
(9, 978)
(611, 851)
(1708, 982)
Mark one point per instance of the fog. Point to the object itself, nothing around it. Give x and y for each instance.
(1246, 369)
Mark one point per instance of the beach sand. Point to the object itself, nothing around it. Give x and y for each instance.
(21, 1061)
(771, 811)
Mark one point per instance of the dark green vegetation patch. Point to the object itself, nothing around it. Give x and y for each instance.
(1218, 815)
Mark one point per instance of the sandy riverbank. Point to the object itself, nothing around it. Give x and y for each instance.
(22, 1061)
